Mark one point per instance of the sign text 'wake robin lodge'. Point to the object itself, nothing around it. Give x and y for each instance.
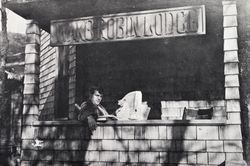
(130, 26)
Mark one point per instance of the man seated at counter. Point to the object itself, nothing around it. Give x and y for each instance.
(92, 109)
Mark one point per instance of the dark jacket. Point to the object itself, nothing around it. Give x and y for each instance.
(87, 109)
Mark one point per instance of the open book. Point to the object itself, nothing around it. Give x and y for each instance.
(106, 117)
(101, 118)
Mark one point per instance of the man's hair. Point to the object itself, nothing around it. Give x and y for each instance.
(92, 90)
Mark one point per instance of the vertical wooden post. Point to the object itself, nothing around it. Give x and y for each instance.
(231, 71)
(231, 60)
(31, 78)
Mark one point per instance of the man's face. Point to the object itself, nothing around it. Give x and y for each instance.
(96, 98)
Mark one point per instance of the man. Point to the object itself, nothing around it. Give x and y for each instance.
(92, 109)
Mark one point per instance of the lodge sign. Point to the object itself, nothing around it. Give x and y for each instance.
(130, 26)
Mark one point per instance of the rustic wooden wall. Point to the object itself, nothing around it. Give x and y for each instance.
(71, 143)
(47, 77)
(50, 76)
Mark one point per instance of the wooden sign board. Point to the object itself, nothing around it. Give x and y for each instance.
(149, 24)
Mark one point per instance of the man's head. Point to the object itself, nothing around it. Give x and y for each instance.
(95, 95)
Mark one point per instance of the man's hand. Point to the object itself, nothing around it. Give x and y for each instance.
(92, 123)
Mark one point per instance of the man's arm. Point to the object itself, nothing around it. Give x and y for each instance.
(91, 122)
(87, 114)
(84, 112)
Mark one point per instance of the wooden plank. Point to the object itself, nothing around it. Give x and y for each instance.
(47, 71)
(62, 83)
(46, 82)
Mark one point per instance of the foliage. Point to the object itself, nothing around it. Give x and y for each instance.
(16, 42)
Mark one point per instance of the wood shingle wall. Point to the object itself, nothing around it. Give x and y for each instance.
(139, 143)
(49, 61)
(47, 75)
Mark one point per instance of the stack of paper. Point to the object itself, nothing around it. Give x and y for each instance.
(132, 107)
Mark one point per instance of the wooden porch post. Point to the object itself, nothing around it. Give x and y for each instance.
(31, 79)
